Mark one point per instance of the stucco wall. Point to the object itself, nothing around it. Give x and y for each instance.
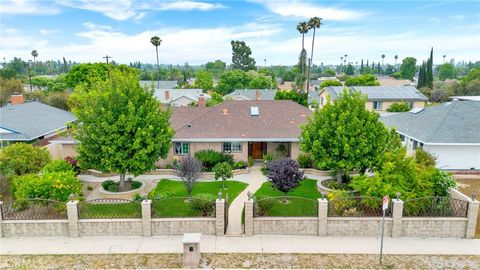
(61, 151)
(110, 227)
(387, 104)
(30, 228)
(461, 157)
(294, 150)
(285, 225)
(434, 227)
(174, 226)
(182, 101)
(366, 226)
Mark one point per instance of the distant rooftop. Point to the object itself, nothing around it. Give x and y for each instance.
(163, 84)
(173, 94)
(381, 93)
(474, 98)
(251, 94)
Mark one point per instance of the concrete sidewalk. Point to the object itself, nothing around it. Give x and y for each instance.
(255, 244)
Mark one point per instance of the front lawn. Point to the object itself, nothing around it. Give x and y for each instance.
(304, 205)
(169, 191)
(110, 210)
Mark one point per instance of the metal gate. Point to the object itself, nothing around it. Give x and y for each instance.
(225, 213)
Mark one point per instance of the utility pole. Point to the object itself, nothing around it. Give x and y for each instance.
(265, 62)
(108, 68)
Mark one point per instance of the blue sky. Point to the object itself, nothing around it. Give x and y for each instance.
(200, 31)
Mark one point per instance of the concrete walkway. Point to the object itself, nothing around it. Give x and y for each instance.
(255, 244)
(236, 207)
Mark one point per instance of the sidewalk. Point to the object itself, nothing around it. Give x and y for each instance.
(255, 244)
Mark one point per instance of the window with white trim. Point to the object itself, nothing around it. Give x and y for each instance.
(377, 105)
(181, 148)
(232, 147)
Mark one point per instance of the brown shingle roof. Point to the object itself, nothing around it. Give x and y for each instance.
(278, 120)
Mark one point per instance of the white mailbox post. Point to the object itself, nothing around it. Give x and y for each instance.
(191, 250)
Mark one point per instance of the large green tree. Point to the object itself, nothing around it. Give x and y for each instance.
(362, 80)
(446, 71)
(231, 80)
(241, 56)
(22, 158)
(408, 68)
(90, 73)
(204, 80)
(120, 126)
(344, 136)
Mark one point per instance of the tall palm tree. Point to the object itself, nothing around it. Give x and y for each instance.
(303, 29)
(313, 23)
(383, 57)
(444, 58)
(35, 55)
(396, 57)
(156, 41)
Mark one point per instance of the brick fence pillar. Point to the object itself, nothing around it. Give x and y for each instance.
(146, 218)
(322, 217)
(249, 217)
(72, 213)
(472, 218)
(1, 219)
(220, 217)
(397, 216)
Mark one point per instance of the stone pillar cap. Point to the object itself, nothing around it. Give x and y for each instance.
(191, 238)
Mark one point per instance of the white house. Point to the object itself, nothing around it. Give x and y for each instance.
(450, 131)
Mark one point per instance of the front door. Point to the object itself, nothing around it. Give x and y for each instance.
(257, 150)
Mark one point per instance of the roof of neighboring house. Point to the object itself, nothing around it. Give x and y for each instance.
(251, 94)
(162, 84)
(455, 122)
(474, 98)
(392, 82)
(175, 94)
(380, 93)
(278, 120)
(30, 120)
(286, 86)
(313, 95)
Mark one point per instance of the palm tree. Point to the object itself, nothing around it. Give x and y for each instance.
(35, 55)
(313, 23)
(303, 29)
(444, 58)
(156, 41)
(396, 57)
(383, 57)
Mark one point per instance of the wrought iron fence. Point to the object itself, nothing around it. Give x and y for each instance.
(435, 207)
(285, 206)
(109, 209)
(182, 207)
(356, 206)
(34, 209)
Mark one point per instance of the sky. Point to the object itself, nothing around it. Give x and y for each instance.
(200, 31)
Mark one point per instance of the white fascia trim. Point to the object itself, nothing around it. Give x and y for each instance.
(238, 140)
(425, 143)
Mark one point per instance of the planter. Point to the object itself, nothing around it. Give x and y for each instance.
(325, 190)
(316, 172)
(128, 195)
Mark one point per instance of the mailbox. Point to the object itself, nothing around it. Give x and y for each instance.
(191, 250)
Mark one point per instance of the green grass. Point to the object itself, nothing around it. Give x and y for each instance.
(304, 206)
(180, 207)
(114, 210)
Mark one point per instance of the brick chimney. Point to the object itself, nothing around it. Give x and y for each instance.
(17, 99)
(167, 95)
(201, 101)
(257, 95)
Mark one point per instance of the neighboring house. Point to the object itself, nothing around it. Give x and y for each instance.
(286, 86)
(31, 122)
(162, 84)
(464, 98)
(450, 131)
(180, 97)
(379, 98)
(242, 128)
(252, 94)
(392, 82)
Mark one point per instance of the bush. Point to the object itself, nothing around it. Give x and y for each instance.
(203, 203)
(240, 165)
(442, 181)
(58, 166)
(189, 170)
(399, 107)
(74, 163)
(137, 197)
(106, 184)
(22, 158)
(89, 187)
(209, 158)
(251, 161)
(424, 158)
(284, 174)
(305, 160)
(51, 185)
(263, 205)
(136, 184)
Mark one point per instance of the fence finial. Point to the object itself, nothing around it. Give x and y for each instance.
(219, 195)
(249, 194)
(71, 197)
(474, 195)
(398, 195)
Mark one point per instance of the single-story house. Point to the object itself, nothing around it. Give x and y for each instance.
(180, 97)
(252, 94)
(31, 122)
(379, 98)
(450, 131)
(160, 84)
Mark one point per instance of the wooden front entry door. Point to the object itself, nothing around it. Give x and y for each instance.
(257, 150)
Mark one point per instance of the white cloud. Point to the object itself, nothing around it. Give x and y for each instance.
(188, 5)
(27, 7)
(47, 31)
(305, 9)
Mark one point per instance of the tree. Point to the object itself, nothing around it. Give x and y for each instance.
(300, 79)
(241, 56)
(383, 57)
(399, 107)
(224, 171)
(8, 87)
(35, 55)
(329, 72)
(303, 28)
(327, 83)
(204, 80)
(313, 23)
(362, 80)
(284, 174)
(231, 80)
(120, 126)
(156, 41)
(473, 88)
(189, 170)
(429, 74)
(408, 68)
(395, 57)
(91, 73)
(216, 68)
(22, 158)
(389, 69)
(215, 99)
(446, 71)
(344, 136)
(350, 70)
(300, 98)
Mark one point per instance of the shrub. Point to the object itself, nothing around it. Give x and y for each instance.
(137, 197)
(228, 158)
(209, 158)
(51, 185)
(263, 205)
(224, 171)
(266, 160)
(58, 166)
(136, 184)
(203, 203)
(106, 184)
(305, 160)
(399, 107)
(284, 174)
(89, 187)
(189, 170)
(240, 165)
(424, 158)
(74, 163)
(251, 160)
(281, 150)
(22, 158)
(442, 181)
